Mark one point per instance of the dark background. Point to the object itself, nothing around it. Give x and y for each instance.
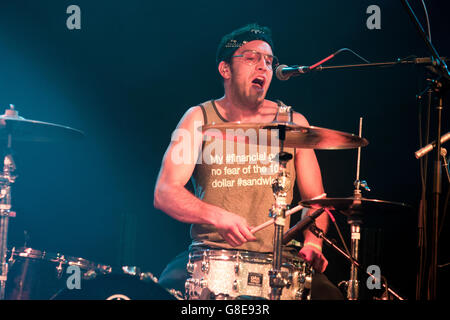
(133, 69)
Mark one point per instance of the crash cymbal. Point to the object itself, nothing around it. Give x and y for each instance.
(22, 129)
(352, 206)
(296, 136)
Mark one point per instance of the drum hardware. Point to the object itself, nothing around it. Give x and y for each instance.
(292, 136)
(14, 127)
(35, 274)
(237, 265)
(205, 263)
(353, 283)
(301, 225)
(296, 136)
(135, 285)
(280, 187)
(190, 265)
(442, 74)
(6, 180)
(354, 262)
(59, 268)
(148, 277)
(252, 281)
(355, 208)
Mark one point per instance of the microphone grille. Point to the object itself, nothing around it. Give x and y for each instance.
(279, 73)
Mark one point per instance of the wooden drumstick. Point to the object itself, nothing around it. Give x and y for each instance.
(288, 213)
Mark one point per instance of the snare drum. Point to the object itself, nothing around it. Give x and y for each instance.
(35, 274)
(233, 274)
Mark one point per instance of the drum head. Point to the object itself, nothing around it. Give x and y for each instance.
(115, 287)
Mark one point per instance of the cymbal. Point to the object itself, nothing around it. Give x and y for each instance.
(296, 136)
(22, 129)
(352, 206)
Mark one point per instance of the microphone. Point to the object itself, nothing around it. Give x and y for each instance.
(423, 151)
(301, 225)
(284, 72)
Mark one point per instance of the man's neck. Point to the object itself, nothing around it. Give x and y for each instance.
(235, 111)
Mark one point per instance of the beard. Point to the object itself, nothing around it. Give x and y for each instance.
(252, 99)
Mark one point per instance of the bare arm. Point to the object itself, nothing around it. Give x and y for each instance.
(309, 181)
(173, 198)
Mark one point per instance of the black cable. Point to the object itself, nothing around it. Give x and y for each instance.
(347, 251)
(423, 174)
(350, 50)
(428, 20)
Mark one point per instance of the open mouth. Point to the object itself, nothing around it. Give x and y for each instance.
(259, 82)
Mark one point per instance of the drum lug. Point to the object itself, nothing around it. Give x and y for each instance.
(308, 281)
(205, 266)
(189, 290)
(190, 267)
(301, 279)
(289, 280)
(205, 263)
(237, 264)
(299, 294)
(187, 284)
(203, 283)
(235, 285)
(59, 268)
(89, 275)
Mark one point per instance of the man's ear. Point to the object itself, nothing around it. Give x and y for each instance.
(225, 70)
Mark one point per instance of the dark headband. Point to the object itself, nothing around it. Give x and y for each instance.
(236, 39)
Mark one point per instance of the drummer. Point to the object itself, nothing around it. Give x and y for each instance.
(223, 194)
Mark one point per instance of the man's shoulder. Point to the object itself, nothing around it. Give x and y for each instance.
(199, 107)
(191, 115)
(300, 119)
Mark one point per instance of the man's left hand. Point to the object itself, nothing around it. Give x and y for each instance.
(315, 257)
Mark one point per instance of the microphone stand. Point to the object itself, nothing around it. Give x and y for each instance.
(438, 66)
(416, 61)
(439, 85)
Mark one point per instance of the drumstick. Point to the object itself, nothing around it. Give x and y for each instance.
(288, 213)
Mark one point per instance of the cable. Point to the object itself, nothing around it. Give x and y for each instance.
(347, 251)
(422, 227)
(347, 49)
(428, 20)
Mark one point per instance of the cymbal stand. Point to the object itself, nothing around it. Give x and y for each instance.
(320, 234)
(355, 222)
(6, 180)
(280, 187)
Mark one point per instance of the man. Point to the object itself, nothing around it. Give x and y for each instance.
(229, 198)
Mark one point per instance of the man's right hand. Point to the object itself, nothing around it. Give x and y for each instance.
(234, 229)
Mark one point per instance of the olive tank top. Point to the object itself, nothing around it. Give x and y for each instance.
(236, 175)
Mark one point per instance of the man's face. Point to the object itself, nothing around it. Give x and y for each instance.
(249, 83)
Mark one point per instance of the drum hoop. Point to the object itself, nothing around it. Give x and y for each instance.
(30, 253)
(87, 264)
(214, 254)
(231, 255)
